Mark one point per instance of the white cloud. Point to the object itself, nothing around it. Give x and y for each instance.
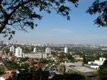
(61, 30)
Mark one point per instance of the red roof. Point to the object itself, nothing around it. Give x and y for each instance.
(14, 56)
(1, 56)
(1, 61)
(7, 75)
(14, 70)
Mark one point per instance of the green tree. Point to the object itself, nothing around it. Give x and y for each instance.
(11, 65)
(1, 71)
(24, 12)
(73, 76)
(103, 71)
(99, 6)
(30, 74)
(24, 59)
(61, 69)
(85, 60)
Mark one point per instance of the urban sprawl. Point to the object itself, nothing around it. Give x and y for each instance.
(55, 58)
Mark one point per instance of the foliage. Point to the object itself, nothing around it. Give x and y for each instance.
(24, 59)
(103, 71)
(11, 64)
(30, 74)
(99, 6)
(44, 61)
(61, 69)
(27, 50)
(33, 74)
(7, 50)
(69, 56)
(73, 76)
(62, 55)
(85, 60)
(19, 14)
(1, 71)
(54, 53)
(96, 75)
(0, 58)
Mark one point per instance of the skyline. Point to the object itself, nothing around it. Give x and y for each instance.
(54, 28)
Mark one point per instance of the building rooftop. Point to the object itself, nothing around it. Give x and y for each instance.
(6, 76)
(84, 69)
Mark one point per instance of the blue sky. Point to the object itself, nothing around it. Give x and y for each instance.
(54, 28)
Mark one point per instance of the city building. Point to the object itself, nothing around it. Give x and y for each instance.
(18, 52)
(6, 76)
(37, 55)
(66, 50)
(34, 50)
(95, 64)
(0, 52)
(1, 42)
(12, 49)
(77, 67)
(48, 50)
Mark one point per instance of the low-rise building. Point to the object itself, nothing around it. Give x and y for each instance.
(37, 55)
(95, 64)
(6, 76)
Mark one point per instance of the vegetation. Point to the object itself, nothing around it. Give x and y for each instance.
(30, 74)
(24, 12)
(100, 7)
(103, 71)
(11, 65)
(61, 69)
(44, 61)
(33, 74)
(73, 76)
(1, 71)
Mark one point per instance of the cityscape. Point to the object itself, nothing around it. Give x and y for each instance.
(57, 59)
(53, 39)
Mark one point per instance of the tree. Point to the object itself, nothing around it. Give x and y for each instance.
(99, 6)
(73, 76)
(11, 65)
(1, 71)
(103, 71)
(18, 14)
(30, 74)
(61, 69)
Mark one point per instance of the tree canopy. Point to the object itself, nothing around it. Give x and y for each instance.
(32, 74)
(99, 6)
(103, 71)
(20, 14)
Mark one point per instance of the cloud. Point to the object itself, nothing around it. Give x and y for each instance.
(61, 30)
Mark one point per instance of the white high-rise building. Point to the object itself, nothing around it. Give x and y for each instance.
(12, 49)
(66, 50)
(34, 50)
(18, 52)
(48, 50)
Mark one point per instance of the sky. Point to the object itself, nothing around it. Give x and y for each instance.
(54, 28)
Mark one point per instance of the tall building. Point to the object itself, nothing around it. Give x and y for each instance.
(18, 52)
(48, 50)
(34, 50)
(66, 50)
(12, 49)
